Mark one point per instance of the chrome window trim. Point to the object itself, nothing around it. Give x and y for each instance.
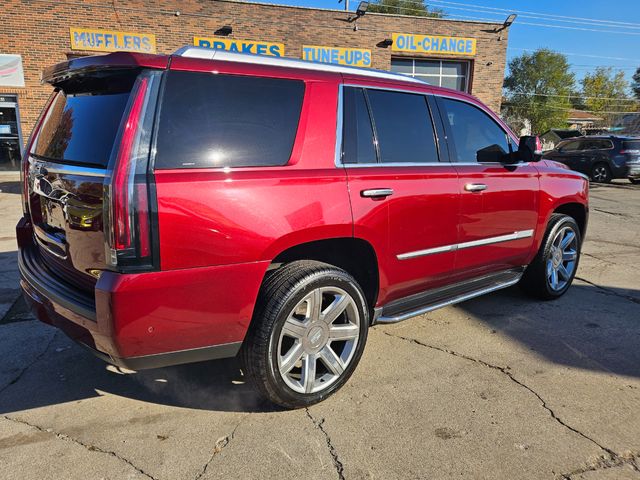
(54, 167)
(443, 163)
(460, 246)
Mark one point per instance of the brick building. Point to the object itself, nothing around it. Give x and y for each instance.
(466, 55)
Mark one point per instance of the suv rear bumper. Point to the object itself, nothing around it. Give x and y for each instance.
(146, 320)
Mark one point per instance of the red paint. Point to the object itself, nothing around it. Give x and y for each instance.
(219, 229)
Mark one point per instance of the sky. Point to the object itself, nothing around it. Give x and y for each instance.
(585, 49)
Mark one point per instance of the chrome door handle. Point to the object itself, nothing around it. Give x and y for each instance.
(377, 192)
(475, 187)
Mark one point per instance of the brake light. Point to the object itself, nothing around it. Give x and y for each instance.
(31, 142)
(630, 152)
(127, 216)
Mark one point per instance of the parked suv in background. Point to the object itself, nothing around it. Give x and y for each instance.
(196, 206)
(601, 158)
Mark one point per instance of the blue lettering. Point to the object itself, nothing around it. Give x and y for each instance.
(401, 42)
(426, 44)
(108, 38)
(443, 45)
(325, 55)
(136, 43)
(80, 38)
(469, 46)
(275, 50)
(99, 39)
(219, 45)
(261, 49)
(334, 56)
(412, 44)
(128, 40)
(357, 57)
(367, 59)
(247, 47)
(146, 44)
(234, 48)
(204, 43)
(453, 45)
(306, 53)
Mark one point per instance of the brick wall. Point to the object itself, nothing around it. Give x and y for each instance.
(39, 31)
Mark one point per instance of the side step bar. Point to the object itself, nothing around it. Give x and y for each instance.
(430, 300)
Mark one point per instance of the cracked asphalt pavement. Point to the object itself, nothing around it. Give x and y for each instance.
(496, 387)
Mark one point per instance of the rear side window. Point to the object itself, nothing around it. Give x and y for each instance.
(83, 120)
(476, 136)
(210, 120)
(357, 131)
(571, 146)
(403, 127)
(596, 144)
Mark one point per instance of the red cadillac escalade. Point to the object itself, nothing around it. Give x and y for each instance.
(208, 204)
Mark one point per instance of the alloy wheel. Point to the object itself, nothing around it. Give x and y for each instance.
(561, 262)
(318, 340)
(600, 173)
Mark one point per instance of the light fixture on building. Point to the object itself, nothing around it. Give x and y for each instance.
(387, 42)
(362, 9)
(510, 19)
(224, 31)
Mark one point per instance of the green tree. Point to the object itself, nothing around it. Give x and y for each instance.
(635, 85)
(538, 88)
(405, 7)
(605, 91)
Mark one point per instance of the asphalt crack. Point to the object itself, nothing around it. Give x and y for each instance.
(89, 447)
(221, 443)
(44, 351)
(319, 424)
(609, 291)
(603, 463)
(613, 456)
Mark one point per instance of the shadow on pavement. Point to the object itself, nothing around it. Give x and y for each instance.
(10, 187)
(588, 328)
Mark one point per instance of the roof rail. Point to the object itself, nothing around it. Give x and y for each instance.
(213, 54)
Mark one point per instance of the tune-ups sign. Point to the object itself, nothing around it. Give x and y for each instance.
(355, 57)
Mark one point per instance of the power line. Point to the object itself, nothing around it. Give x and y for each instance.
(554, 17)
(573, 96)
(552, 107)
(578, 54)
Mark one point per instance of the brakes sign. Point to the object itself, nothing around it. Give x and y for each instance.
(241, 46)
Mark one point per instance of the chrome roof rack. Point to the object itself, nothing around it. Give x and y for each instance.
(213, 54)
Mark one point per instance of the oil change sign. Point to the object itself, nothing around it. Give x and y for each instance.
(405, 42)
(111, 41)
(355, 57)
(241, 46)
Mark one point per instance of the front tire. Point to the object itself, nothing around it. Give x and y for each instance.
(601, 173)
(307, 335)
(552, 271)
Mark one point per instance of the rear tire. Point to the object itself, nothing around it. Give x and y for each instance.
(307, 335)
(601, 173)
(553, 269)
(635, 181)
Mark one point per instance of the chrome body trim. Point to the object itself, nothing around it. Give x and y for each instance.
(474, 243)
(475, 187)
(451, 301)
(53, 167)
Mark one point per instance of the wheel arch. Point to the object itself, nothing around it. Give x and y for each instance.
(354, 255)
(577, 211)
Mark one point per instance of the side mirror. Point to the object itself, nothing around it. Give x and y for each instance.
(529, 149)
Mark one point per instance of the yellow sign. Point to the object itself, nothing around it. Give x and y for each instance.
(406, 42)
(355, 57)
(241, 46)
(111, 41)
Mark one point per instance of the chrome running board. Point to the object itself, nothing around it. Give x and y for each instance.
(425, 302)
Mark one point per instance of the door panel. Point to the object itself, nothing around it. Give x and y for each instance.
(421, 214)
(498, 202)
(508, 206)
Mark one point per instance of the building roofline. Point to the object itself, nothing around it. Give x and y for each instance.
(413, 17)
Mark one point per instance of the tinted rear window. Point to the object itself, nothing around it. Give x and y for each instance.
(631, 145)
(210, 120)
(403, 125)
(81, 127)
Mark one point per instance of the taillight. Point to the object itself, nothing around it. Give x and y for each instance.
(31, 142)
(127, 194)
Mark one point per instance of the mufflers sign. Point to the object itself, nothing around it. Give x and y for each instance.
(406, 42)
(111, 41)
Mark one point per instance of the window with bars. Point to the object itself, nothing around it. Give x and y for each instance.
(441, 73)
